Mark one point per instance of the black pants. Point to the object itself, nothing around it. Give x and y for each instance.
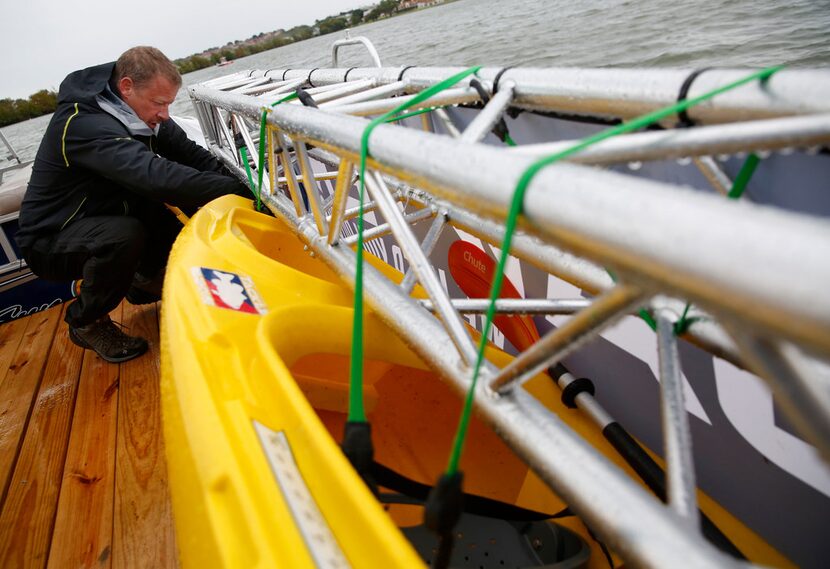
(106, 252)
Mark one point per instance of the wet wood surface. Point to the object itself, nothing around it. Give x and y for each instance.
(82, 466)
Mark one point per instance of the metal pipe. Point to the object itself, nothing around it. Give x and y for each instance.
(346, 89)
(490, 114)
(341, 196)
(427, 245)
(368, 95)
(311, 189)
(762, 135)
(446, 121)
(563, 340)
(515, 305)
(681, 489)
(794, 382)
(422, 267)
(373, 53)
(444, 98)
(713, 173)
(288, 170)
(385, 228)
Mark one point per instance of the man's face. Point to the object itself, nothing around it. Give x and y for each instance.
(151, 100)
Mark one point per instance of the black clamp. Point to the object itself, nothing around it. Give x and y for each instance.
(308, 80)
(358, 448)
(346, 76)
(574, 388)
(404, 70)
(283, 74)
(685, 120)
(497, 78)
(306, 99)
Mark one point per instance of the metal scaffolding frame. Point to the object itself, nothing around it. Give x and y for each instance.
(748, 271)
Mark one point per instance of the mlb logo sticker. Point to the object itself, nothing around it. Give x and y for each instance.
(228, 290)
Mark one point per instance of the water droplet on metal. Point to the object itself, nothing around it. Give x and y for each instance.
(635, 166)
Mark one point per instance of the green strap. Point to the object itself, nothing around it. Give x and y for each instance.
(257, 188)
(356, 410)
(516, 210)
(244, 150)
(743, 177)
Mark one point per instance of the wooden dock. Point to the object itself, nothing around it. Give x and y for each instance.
(83, 475)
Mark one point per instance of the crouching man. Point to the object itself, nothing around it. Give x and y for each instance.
(94, 208)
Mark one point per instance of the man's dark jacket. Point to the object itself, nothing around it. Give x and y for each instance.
(89, 164)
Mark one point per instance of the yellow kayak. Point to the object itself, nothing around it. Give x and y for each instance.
(255, 341)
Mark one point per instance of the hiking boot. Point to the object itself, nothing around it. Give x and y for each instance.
(107, 340)
(145, 290)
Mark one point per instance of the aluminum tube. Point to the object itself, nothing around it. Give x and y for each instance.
(317, 176)
(490, 114)
(427, 245)
(385, 228)
(561, 341)
(312, 190)
(341, 196)
(272, 96)
(368, 95)
(515, 305)
(769, 135)
(251, 86)
(447, 123)
(626, 93)
(713, 173)
(355, 211)
(373, 53)
(677, 439)
(219, 81)
(319, 89)
(346, 89)
(226, 133)
(253, 150)
(422, 267)
(805, 398)
(627, 518)
(288, 170)
(444, 98)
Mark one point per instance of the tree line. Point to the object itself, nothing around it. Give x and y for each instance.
(264, 42)
(15, 110)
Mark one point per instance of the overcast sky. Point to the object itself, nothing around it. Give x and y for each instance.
(41, 41)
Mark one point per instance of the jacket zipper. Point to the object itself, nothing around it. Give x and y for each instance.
(80, 205)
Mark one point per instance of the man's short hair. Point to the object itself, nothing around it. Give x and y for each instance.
(142, 63)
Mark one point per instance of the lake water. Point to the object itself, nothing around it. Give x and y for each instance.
(559, 33)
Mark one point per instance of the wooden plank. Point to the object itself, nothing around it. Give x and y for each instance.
(11, 334)
(143, 532)
(28, 513)
(30, 338)
(83, 524)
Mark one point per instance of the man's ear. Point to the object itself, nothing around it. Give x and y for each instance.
(126, 86)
